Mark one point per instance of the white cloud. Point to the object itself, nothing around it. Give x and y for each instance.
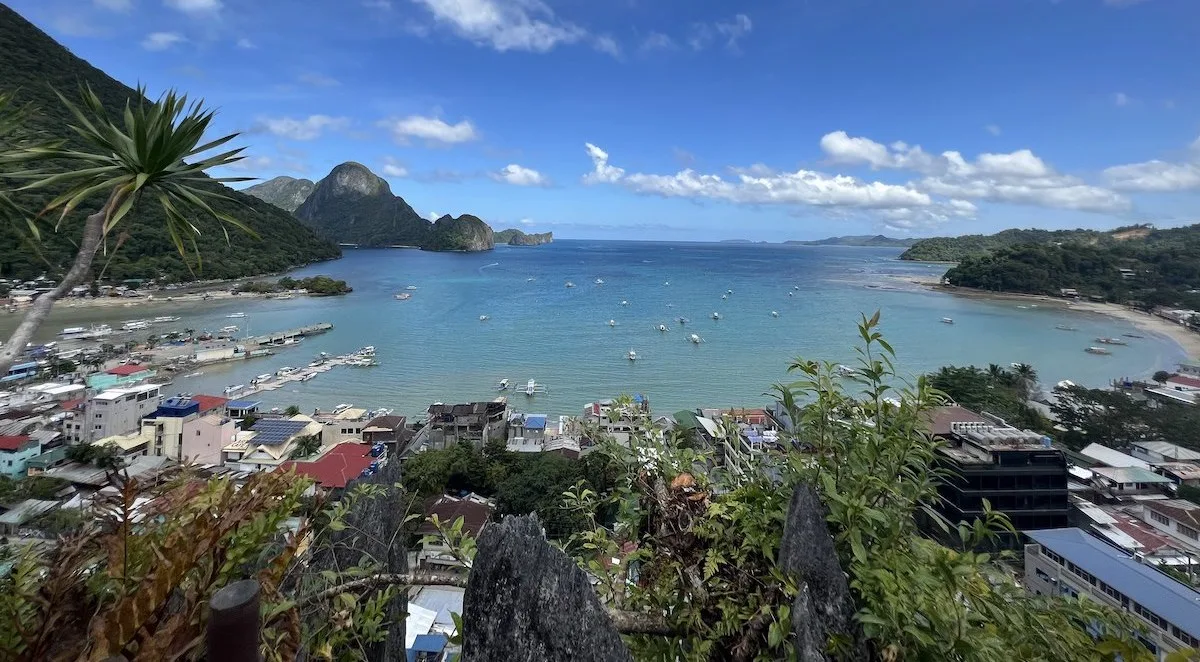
(307, 128)
(703, 35)
(657, 41)
(318, 80)
(432, 129)
(1121, 99)
(519, 25)
(1154, 175)
(606, 44)
(520, 176)
(393, 168)
(802, 187)
(1019, 177)
(114, 5)
(527, 222)
(195, 7)
(433, 216)
(992, 129)
(161, 41)
(246, 44)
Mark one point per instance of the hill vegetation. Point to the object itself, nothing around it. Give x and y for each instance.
(353, 205)
(287, 193)
(954, 249)
(314, 285)
(515, 237)
(1148, 267)
(857, 240)
(32, 67)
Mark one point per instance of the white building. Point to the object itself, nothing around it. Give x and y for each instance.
(1109, 457)
(117, 411)
(1175, 517)
(1160, 452)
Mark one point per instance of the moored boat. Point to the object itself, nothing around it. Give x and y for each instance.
(947, 320)
(1097, 350)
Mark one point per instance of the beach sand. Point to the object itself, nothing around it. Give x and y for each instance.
(1188, 340)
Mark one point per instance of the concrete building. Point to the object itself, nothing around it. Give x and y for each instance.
(15, 451)
(1103, 456)
(1180, 473)
(527, 429)
(611, 419)
(269, 443)
(1159, 452)
(190, 428)
(475, 511)
(386, 430)
(1070, 562)
(476, 422)
(114, 412)
(1175, 517)
(132, 445)
(1016, 471)
(122, 375)
(1120, 482)
(340, 465)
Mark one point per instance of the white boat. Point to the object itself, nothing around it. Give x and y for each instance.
(845, 370)
(235, 315)
(570, 284)
(165, 319)
(695, 339)
(529, 280)
(532, 388)
(307, 376)
(72, 332)
(135, 325)
(1111, 341)
(791, 294)
(411, 288)
(83, 333)
(227, 329)
(666, 283)
(947, 320)
(234, 389)
(724, 296)
(632, 355)
(728, 291)
(503, 385)
(362, 363)
(599, 281)
(774, 313)
(193, 374)
(612, 322)
(716, 316)
(266, 377)
(403, 296)
(795, 287)
(369, 350)
(342, 407)
(663, 328)
(1064, 327)
(624, 302)
(1097, 350)
(682, 321)
(285, 371)
(484, 318)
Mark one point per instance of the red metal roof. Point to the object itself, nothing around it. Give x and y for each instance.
(342, 464)
(209, 402)
(1184, 380)
(13, 443)
(126, 370)
(71, 405)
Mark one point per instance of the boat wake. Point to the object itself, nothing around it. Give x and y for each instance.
(489, 266)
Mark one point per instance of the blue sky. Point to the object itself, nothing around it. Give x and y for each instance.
(695, 119)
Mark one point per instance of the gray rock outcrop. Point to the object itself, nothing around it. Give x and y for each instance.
(824, 606)
(287, 193)
(528, 602)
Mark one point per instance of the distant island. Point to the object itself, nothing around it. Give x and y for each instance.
(1138, 265)
(876, 240)
(353, 205)
(515, 237)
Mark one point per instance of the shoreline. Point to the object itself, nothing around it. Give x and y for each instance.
(1187, 341)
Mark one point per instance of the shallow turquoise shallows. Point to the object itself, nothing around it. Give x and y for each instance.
(434, 347)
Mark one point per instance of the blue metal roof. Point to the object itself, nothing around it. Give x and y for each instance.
(272, 431)
(1155, 591)
(242, 404)
(535, 422)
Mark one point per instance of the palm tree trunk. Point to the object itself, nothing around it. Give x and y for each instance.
(93, 232)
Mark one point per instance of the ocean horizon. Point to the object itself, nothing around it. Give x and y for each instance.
(434, 347)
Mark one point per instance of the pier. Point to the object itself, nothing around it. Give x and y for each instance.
(280, 337)
(363, 358)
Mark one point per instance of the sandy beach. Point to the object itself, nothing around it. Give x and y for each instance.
(1188, 340)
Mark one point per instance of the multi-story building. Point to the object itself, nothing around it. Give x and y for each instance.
(1070, 562)
(476, 422)
(1160, 452)
(114, 412)
(269, 443)
(1016, 471)
(613, 419)
(1175, 517)
(15, 451)
(192, 428)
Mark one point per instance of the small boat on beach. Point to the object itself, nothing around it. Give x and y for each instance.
(947, 320)
(1097, 350)
(503, 385)
(235, 315)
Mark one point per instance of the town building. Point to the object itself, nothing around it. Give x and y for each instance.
(1119, 527)
(114, 412)
(386, 429)
(190, 428)
(344, 425)
(119, 376)
(1177, 518)
(1070, 562)
(132, 445)
(20, 372)
(475, 511)
(1103, 456)
(340, 465)
(240, 409)
(1016, 471)
(1159, 452)
(617, 420)
(476, 422)
(1180, 473)
(526, 430)
(1121, 482)
(15, 452)
(269, 443)
(1190, 368)
(40, 464)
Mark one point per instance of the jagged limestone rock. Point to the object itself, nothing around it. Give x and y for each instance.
(287, 193)
(824, 607)
(528, 602)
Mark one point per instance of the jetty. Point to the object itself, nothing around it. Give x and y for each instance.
(364, 357)
(280, 337)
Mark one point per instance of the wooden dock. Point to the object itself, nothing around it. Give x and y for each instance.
(279, 337)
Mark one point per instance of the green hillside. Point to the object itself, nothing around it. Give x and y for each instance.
(953, 249)
(871, 240)
(31, 64)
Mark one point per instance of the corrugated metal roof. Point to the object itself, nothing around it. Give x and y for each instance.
(1167, 449)
(535, 422)
(1148, 587)
(1130, 475)
(1113, 458)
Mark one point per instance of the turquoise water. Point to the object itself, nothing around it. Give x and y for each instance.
(434, 347)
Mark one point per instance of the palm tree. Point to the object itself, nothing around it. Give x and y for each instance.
(154, 150)
(306, 446)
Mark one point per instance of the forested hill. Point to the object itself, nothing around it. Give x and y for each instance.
(876, 240)
(32, 66)
(1154, 267)
(953, 249)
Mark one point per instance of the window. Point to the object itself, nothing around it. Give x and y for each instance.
(1041, 574)
(197, 433)
(1160, 518)
(99, 427)
(99, 415)
(1187, 531)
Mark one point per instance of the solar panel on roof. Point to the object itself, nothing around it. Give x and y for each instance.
(276, 431)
